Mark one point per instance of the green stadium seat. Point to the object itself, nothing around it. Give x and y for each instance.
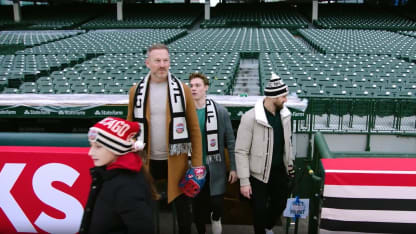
(384, 93)
(62, 86)
(406, 94)
(62, 81)
(361, 93)
(77, 81)
(28, 87)
(316, 92)
(46, 90)
(91, 80)
(118, 91)
(10, 91)
(62, 90)
(107, 81)
(128, 85)
(97, 89)
(392, 89)
(340, 93)
(44, 81)
(79, 88)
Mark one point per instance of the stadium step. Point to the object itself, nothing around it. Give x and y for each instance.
(307, 44)
(197, 24)
(247, 81)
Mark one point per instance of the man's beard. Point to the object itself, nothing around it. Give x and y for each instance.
(279, 106)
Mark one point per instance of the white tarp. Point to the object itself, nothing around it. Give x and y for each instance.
(103, 99)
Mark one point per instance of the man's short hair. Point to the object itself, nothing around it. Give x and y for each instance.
(157, 46)
(199, 75)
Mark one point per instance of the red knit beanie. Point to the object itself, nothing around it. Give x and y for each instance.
(116, 134)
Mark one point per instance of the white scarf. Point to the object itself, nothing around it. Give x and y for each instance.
(211, 129)
(179, 141)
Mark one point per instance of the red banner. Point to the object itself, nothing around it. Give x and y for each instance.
(369, 195)
(43, 189)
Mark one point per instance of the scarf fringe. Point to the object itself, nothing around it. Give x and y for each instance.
(181, 148)
(213, 158)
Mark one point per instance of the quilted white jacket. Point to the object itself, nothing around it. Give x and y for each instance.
(254, 144)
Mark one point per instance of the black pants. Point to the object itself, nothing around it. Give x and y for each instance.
(204, 204)
(183, 204)
(268, 200)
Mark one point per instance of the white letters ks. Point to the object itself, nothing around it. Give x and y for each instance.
(42, 186)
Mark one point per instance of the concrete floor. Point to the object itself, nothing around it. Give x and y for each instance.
(236, 220)
(166, 226)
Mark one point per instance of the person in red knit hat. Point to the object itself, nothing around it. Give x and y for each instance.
(120, 199)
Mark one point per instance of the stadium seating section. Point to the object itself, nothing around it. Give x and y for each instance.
(107, 41)
(340, 75)
(344, 41)
(16, 69)
(144, 16)
(409, 33)
(33, 38)
(141, 21)
(239, 40)
(232, 15)
(359, 17)
(352, 53)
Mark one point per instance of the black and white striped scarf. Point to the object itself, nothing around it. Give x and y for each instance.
(211, 129)
(179, 141)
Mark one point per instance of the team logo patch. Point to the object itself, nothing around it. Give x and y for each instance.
(199, 172)
(92, 135)
(193, 181)
(179, 128)
(213, 143)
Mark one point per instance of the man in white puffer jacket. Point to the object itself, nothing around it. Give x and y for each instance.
(264, 155)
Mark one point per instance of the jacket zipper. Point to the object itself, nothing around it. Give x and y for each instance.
(267, 154)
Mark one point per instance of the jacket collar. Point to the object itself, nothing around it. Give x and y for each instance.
(129, 161)
(260, 113)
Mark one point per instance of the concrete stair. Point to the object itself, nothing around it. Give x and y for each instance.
(247, 81)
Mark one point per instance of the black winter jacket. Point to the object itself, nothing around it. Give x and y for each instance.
(119, 202)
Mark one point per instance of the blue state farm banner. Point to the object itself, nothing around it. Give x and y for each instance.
(369, 195)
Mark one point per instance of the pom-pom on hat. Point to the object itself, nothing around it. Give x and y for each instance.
(275, 87)
(116, 134)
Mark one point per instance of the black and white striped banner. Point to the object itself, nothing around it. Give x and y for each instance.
(369, 195)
